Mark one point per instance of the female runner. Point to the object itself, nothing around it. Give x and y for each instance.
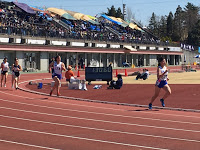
(4, 71)
(16, 68)
(161, 83)
(57, 66)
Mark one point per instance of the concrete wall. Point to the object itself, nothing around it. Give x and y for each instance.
(20, 56)
(153, 60)
(44, 61)
(189, 57)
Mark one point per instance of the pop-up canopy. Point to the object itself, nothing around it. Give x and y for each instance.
(25, 7)
(61, 13)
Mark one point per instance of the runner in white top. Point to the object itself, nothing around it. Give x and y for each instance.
(4, 71)
(57, 66)
(162, 78)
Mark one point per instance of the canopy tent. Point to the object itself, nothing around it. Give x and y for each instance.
(91, 17)
(25, 7)
(197, 56)
(41, 10)
(61, 13)
(80, 16)
(134, 26)
(108, 18)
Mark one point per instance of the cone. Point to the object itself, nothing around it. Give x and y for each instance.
(126, 73)
(116, 72)
(78, 74)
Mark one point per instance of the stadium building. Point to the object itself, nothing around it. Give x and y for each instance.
(35, 36)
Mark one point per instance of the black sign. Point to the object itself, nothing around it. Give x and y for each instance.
(98, 73)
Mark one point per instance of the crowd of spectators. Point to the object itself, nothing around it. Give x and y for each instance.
(14, 21)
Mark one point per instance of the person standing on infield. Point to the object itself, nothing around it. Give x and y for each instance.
(58, 67)
(4, 71)
(161, 83)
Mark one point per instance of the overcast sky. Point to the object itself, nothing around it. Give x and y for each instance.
(142, 9)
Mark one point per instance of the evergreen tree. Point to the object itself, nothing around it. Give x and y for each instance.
(170, 25)
(163, 26)
(111, 11)
(178, 25)
(194, 35)
(119, 13)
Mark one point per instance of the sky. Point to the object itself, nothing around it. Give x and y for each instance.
(142, 9)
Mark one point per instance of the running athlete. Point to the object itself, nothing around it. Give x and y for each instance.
(161, 83)
(4, 71)
(16, 68)
(57, 66)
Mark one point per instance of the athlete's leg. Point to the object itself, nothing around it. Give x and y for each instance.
(2, 78)
(168, 91)
(157, 91)
(6, 76)
(58, 88)
(55, 84)
(13, 80)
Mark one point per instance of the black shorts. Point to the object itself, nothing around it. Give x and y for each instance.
(16, 74)
(3, 72)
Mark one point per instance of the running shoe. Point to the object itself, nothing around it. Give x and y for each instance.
(162, 102)
(5, 85)
(150, 106)
(58, 94)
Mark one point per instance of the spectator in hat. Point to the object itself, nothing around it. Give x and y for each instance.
(116, 84)
(69, 73)
(144, 75)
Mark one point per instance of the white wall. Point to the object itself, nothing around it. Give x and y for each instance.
(153, 60)
(20, 56)
(44, 61)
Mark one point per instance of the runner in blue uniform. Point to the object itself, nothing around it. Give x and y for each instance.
(16, 68)
(161, 83)
(58, 67)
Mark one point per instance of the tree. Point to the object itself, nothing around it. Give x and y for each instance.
(178, 25)
(130, 14)
(163, 26)
(170, 25)
(111, 11)
(194, 35)
(119, 13)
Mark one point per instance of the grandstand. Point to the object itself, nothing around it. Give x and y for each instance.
(35, 35)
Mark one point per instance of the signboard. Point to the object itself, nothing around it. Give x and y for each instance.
(199, 49)
(98, 73)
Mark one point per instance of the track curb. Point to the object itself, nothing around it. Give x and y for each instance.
(104, 102)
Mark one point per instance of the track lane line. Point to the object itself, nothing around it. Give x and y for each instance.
(99, 129)
(95, 120)
(96, 113)
(81, 138)
(29, 145)
(104, 108)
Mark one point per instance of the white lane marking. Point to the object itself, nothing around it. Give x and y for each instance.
(104, 108)
(29, 145)
(106, 114)
(105, 121)
(80, 138)
(99, 129)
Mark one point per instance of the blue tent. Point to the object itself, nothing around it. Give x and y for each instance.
(106, 17)
(25, 7)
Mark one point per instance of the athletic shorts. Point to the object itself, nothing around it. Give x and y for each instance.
(4, 72)
(161, 83)
(16, 74)
(59, 76)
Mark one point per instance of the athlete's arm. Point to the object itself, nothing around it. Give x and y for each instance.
(50, 66)
(2, 66)
(63, 67)
(159, 74)
(20, 68)
(13, 67)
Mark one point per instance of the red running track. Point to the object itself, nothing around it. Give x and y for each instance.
(30, 121)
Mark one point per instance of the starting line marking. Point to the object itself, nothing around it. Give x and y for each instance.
(81, 138)
(112, 122)
(149, 112)
(99, 129)
(29, 145)
(106, 114)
